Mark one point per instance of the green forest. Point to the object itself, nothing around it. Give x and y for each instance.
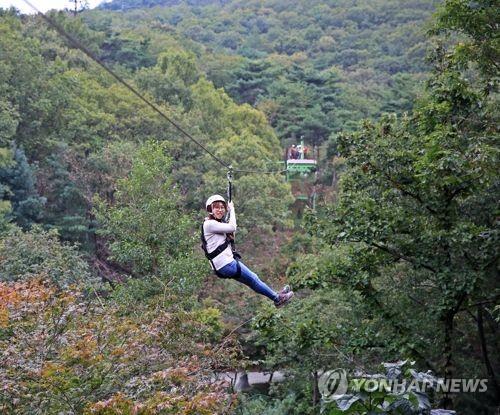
(117, 124)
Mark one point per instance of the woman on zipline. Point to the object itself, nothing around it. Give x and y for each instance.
(217, 240)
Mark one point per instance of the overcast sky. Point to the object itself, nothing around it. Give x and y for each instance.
(43, 5)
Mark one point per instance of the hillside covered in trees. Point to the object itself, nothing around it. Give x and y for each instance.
(312, 67)
(107, 304)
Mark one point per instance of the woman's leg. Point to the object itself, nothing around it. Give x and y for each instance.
(251, 279)
(229, 270)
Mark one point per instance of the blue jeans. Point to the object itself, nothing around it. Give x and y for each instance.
(248, 278)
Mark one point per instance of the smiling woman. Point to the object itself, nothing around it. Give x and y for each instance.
(217, 241)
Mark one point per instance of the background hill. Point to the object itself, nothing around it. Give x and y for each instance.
(312, 67)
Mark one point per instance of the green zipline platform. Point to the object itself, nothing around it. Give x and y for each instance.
(300, 166)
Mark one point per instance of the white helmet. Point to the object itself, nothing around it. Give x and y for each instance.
(212, 199)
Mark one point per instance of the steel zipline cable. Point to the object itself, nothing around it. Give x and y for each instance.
(76, 44)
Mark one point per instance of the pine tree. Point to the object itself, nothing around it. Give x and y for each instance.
(17, 186)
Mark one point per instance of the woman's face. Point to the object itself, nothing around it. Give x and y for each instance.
(218, 210)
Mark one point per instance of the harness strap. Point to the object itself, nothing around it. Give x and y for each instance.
(204, 247)
(210, 256)
(216, 251)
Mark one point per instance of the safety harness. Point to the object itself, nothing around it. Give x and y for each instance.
(229, 237)
(217, 251)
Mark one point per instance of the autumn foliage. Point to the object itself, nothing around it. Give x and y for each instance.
(64, 352)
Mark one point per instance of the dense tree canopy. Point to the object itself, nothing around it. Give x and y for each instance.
(107, 305)
(413, 239)
(320, 67)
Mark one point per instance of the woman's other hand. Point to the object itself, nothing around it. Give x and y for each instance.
(230, 206)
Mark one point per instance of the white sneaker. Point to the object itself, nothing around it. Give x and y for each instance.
(283, 299)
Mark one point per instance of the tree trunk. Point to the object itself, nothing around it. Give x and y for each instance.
(448, 356)
(242, 384)
(316, 396)
(489, 368)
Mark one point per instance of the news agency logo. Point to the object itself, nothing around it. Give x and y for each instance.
(332, 384)
(401, 386)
